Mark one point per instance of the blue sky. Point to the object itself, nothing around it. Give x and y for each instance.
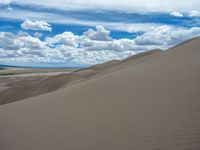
(61, 33)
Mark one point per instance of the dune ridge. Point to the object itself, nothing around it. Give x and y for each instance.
(150, 104)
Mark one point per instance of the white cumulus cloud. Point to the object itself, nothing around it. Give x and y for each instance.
(176, 14)
(36, 25)
(68, 48)
(66, 38)
(30, 42)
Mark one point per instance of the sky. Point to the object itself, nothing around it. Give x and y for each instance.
(79, 33)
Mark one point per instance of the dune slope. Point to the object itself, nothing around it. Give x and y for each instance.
(150, 105)
(27, 88)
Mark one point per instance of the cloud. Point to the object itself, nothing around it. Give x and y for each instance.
(194, 13)
(5, 2)
(176, 14)
(66, 38)
(65, 48)
(54, 18)
(68, 48)
(123, 5)
(9, 8)
(167, 36)
(22, 40)
(101, 34)
(8, 41)
(38, 35)
(31, 43)
(36, 25)
(121, 45)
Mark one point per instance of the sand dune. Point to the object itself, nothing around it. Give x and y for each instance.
(34, 85)
(149, 104)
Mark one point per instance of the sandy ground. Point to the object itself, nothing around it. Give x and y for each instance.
(150, 104)
(19, 86)
(9, 81)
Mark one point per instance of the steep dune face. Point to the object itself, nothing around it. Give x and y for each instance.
(149, 105)
(28, 89)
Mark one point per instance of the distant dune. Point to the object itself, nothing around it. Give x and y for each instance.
(33, 86)
(147, 102)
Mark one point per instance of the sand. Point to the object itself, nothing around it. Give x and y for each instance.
(150, 104)
(22, 86)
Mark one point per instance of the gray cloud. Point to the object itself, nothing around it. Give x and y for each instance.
(101, 34)
(38, 35)
(8, 41)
